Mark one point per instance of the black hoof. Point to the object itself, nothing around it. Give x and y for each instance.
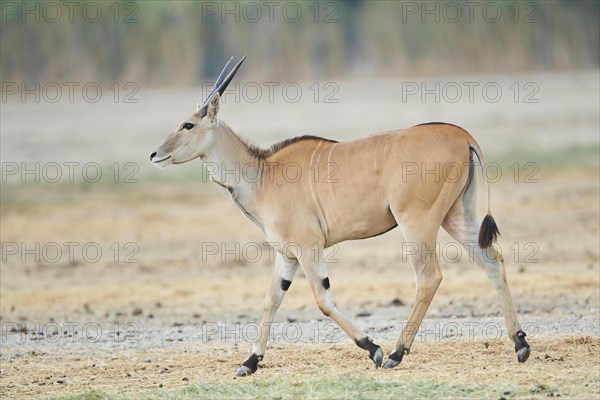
(377, 357)
(249, 366)
(523, 354)
(375, 352)
(395, 358)
(244, 371)
(521, 347)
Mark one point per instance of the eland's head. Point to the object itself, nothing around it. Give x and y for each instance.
(195, 134)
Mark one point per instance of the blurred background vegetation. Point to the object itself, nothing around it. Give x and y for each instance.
(177, 43)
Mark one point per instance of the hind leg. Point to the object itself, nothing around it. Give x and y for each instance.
(463, 225)
(423, 258)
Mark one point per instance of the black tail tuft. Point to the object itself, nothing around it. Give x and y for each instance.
(488, 233)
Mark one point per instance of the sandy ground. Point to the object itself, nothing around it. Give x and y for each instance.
(158, 308)
(71, 326)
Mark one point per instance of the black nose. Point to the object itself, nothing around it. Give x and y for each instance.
(152, 156)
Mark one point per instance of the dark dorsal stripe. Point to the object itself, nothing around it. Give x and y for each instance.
(437, 123)
(268, 152)
(261, 153)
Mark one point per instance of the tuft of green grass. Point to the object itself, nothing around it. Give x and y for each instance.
(346, 386)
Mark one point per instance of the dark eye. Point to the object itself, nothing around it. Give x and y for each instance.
(188, 126)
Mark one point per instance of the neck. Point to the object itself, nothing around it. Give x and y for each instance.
(230, 161)
(233, 166)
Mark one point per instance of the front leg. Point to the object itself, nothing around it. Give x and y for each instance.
(285, 269)
(316, 274)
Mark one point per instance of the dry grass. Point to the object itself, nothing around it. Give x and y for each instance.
(565, 366)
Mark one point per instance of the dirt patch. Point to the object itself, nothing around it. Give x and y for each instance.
(565, 367)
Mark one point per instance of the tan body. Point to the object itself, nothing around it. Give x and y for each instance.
(348, 190)
(310, 193)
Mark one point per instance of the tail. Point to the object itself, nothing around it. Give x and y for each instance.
(488, 233)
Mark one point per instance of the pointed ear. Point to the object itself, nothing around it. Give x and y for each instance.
(213, 107)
